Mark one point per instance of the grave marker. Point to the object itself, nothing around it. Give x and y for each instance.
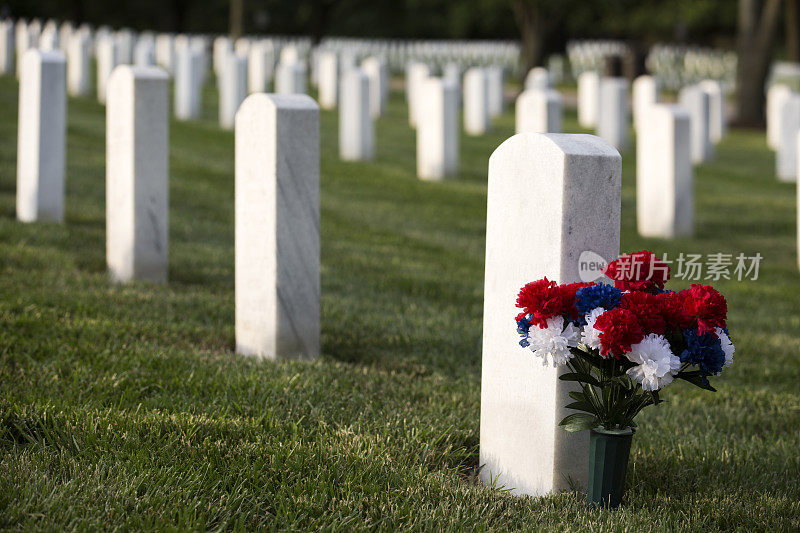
(277, 227)
(559, 194)
(137, 174)
(41, 136)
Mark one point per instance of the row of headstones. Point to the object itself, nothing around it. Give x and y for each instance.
(561, 178)
(675, 65)
(399, 53)
(277, 193)
(670, 139)
(183, 56)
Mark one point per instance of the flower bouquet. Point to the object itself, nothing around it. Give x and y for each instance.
(622, 344)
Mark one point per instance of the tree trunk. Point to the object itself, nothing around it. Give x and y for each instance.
(236, 18)
(528, 17)
(792, 31)
(756, 35)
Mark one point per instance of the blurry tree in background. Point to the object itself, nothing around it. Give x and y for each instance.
(758, 22)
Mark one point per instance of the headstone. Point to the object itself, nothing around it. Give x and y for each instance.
(6, 47)
(78, 62)
(232, 89)
(42, 130)
(144, 54)
(289, 54)
(107, 54)
(165, 52)
(328, 79)
(137, 174)
(698, 103)
(378, 74)
(277, 227)
(718, 123)
(786, 154)
(187, 91)
(538, 111)
(25, 38)
(612, 121)
(437, 130)
(415, 75)
(664, 182)
(645, 95)
(290, 78)
(125, 43)
(495, 91)
(776, 97)
(451, 73)
(222, 49)
(476, 101)
(260, 62)
(48, 40)
(559, 194)
(356, 131)
(537, 78)
(588, 99)
(241, 46)
(65, 32)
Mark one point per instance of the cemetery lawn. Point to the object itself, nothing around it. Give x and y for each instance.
(124, 407)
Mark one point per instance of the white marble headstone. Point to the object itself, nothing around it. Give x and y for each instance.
(137, 174)
(437, 130)
(550, 198)
(42, 128)
(277, 227)
(664, 179)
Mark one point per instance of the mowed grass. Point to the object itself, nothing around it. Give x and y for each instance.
(125, 407)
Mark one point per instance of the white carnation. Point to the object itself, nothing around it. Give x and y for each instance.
(656, 364)
(727, 346)
(552, 343)
(590, 336)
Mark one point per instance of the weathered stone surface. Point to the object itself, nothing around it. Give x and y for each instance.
(550, 198)
(277, 227)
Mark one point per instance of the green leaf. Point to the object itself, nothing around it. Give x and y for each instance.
(695, 378)
(582, 406)
(577, 395)
(579, 422)
(579, 376)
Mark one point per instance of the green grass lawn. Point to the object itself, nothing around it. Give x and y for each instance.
(124, 407)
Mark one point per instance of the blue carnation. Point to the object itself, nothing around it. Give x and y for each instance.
(598, 295)
(523, 326)
(704, 351)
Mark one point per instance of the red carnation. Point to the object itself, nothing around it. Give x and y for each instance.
(673, 309)
(541, 298)
(639, 271)
(708, 306)
(647, 310)
(568, 297)
(619, 329)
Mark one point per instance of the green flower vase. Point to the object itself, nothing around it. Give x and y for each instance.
(609, 450)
